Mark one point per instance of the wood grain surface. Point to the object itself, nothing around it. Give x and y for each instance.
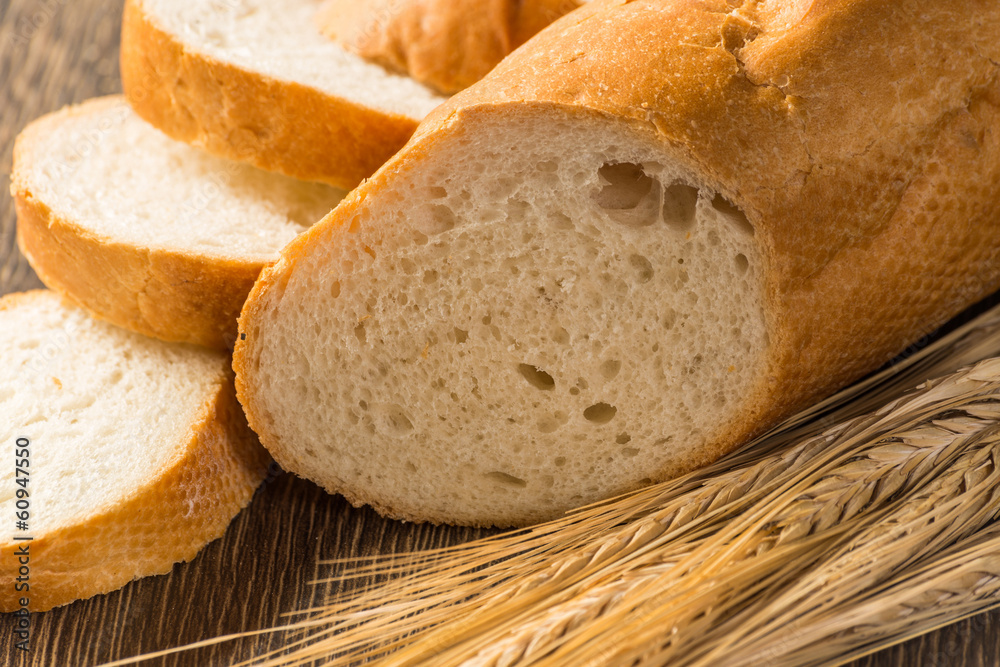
(56, 52)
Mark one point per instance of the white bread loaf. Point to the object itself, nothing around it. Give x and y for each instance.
(445, 44)
(138, 453)
(651, 233)
(256, 81)
(146, 232)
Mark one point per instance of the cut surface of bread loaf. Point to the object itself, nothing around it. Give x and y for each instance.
(147, 232)
(648, 235)
(137, 451)
(446, 44)
(517, 332)
(256, 81)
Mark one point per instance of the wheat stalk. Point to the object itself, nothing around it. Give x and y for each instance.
(963, 581)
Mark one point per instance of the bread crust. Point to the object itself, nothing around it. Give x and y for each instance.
(858, 136)
(445, 44)
(166, 293)
(170, 295)
(276, 125)
(186, 505)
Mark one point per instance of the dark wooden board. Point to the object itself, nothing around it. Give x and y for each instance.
(56, 52)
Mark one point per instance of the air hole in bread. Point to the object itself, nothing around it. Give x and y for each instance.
(732, 214)
(548, 166)
(536, 377)
(626, 185)
(395, 420)
(561, 220)
(680, 203)
(505, 479)
(629, 195)
(360, 333)
(623, 439)
(600, 413)
(335, 289)
(552, 424)
(430, 276)
(629, 452)
(742, 263)
(610, 368)
(461, 336)
(436, 192)
(642, 267)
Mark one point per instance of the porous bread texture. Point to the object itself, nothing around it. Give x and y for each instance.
(94, 183)
(517, 328)
(257, 81)
(139, 455)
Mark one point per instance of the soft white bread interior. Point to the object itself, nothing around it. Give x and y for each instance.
(649, 234)
(147, 232)
(257, 81)
(513, 331)
(138, 452)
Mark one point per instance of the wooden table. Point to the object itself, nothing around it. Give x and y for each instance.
(56, 52)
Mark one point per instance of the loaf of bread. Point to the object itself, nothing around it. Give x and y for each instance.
(133, 453)
(146, 232)
(651, 233)
(446, 44)
(257, 81)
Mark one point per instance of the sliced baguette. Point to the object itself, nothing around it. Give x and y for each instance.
(649, 234)
(446, 44)
(256, 81)
(139, 454)
(146, 232)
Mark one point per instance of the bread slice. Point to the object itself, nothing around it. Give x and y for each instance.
(256, 81)
(651, 233)
(445, 44)
(146, 232)
(138, 454)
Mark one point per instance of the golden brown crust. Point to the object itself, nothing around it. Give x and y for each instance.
(170, 295)
(858, 136)
(445, 44)
(188, 504)
(276, 125)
